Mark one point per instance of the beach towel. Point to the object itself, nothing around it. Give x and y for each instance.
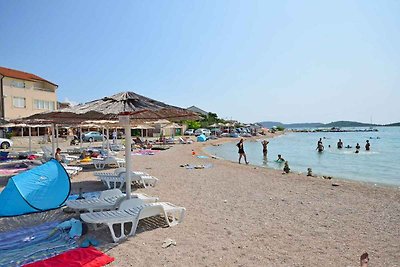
(191, 167)
(80, 257)
(27, 245)
(143, 152)
(12, 171)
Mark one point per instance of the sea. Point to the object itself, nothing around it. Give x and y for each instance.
(380, 165)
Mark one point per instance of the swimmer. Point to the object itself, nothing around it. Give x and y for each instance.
(358, 148)
(320, 146)
(280, 159)
(367, 146)
(340, 144)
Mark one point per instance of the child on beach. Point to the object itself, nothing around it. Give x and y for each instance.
(286, 168)
(241, 151)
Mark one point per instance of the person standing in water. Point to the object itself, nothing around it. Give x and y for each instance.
(241, 151)
(320, 146)
(340, 144)
(367, 146)
(265, 147)
(358, 148)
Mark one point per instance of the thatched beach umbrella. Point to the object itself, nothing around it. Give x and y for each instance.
(135, 108)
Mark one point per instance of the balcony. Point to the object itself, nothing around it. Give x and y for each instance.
(43, 89)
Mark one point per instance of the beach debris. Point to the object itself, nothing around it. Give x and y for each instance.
(168, 242)
(335, 184)
(225, 201)
(190, 166)
(327, 177)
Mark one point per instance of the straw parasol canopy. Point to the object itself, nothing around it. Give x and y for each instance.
(172, 126)
(108, 108)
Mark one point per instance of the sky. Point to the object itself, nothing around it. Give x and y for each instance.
(288, 61)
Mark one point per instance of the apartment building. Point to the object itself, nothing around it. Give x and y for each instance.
(23, 94)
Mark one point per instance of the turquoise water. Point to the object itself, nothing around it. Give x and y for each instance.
(380, 165)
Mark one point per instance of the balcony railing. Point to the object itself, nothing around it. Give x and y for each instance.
(42, 89)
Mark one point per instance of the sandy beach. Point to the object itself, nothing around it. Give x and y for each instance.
(243, 215)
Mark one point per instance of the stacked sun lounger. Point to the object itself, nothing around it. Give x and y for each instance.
(117, 179)
(100, 163)
(107, 200)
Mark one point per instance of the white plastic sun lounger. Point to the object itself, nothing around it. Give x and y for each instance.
(117, 172)
(72, 170)
(108, 200)
(100, 163)
(133, 210)
(120, 180)
(112, 180)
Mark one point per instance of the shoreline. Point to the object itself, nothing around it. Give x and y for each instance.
(320, 176)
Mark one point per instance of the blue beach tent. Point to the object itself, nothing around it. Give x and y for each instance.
(42, 188)
(201, 138)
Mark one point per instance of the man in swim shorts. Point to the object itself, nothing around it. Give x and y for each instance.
(241, 151)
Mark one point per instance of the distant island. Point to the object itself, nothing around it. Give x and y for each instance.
(336, 124)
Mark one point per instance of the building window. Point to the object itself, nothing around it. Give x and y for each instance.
(18, 84)
(19, 102)
(42, 104)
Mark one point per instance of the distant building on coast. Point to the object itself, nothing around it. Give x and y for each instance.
(23, 94)
(197, 110)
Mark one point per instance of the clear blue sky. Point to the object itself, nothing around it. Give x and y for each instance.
(290, 61)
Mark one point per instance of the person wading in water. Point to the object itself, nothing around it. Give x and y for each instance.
(241, 151)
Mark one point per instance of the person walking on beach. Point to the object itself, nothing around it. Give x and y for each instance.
(265, 147)
(241, 151)
(340, 144)
(367, 146)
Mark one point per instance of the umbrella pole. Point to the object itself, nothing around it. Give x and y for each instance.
(52, 140)
(128, 160)
(56, 138)
(30, 139)
(80, 137)
(108, 141)
(102, 137)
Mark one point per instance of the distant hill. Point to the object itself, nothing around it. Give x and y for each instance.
(349, 124)
(393, 124)
(338, 124)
